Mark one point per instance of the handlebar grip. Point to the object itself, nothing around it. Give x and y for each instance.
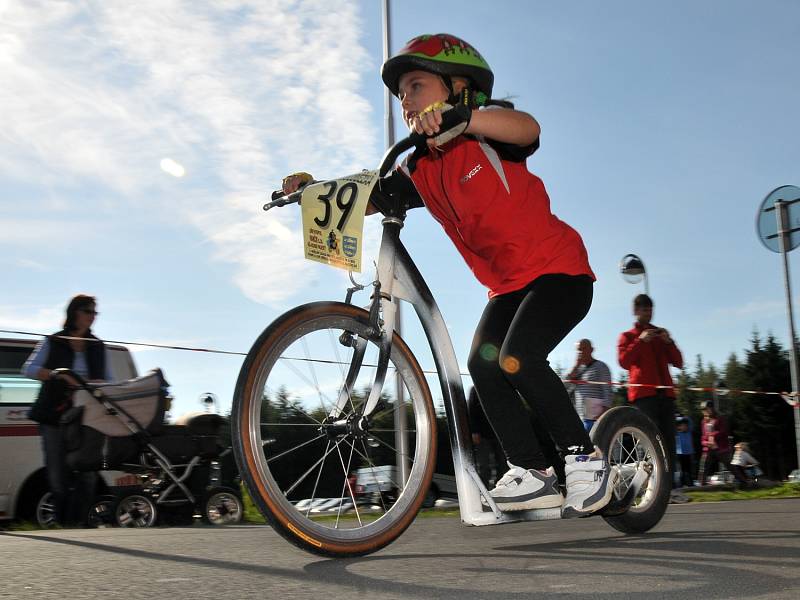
(282, 200)
(73, 374)
(417, 139)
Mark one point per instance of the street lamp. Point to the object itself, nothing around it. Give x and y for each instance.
(210, 401)
(633, 271)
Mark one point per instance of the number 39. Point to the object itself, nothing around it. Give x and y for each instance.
(344, 201)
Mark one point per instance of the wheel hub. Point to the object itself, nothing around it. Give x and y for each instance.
(356, 426)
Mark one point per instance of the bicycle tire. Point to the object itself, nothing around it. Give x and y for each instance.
(270, 360)
(630, 440)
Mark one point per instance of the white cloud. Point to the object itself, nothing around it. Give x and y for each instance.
(237, 92)
(751, 309)
(38, 321)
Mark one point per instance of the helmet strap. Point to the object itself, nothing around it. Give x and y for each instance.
(476, 99)
(448, 83)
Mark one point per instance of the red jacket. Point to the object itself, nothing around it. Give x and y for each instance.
(648, 362)
(497, 213)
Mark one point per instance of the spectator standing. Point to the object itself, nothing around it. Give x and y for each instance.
(647, 352)
(591, 399)
(715, 443)
(75, 348)
(684, 449)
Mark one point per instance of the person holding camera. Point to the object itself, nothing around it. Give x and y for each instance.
(646, 352)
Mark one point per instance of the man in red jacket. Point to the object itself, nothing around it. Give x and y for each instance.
(647, 351)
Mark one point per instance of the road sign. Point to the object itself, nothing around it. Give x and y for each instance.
(778, 226)
(767, 221)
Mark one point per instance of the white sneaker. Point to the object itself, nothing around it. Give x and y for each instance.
(590, 484)
(523, 489)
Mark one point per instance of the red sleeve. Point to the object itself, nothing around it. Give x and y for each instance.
(628, 350)
(675, 356)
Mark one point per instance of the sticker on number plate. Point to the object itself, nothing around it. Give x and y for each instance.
(333, 219)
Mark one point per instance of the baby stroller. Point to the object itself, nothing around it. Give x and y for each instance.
(179, 471)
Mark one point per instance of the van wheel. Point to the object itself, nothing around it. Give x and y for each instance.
(45, 511)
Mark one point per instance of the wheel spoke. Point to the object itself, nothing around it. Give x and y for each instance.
(313, 372)
(290, 450)
(328, 450)
(346, 471)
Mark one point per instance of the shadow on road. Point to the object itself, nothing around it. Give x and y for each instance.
(709, 564)
(714, 558)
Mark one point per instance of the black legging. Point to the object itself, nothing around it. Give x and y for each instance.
(508, 359)
(661, 410)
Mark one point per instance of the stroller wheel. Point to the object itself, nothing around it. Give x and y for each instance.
(136, 511)
(222, 507)
(102, 512)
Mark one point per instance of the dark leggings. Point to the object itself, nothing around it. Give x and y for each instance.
(509, 367)
(661, 410)
(73, 492)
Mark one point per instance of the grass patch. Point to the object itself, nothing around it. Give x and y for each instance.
(784, 490)
(251, 513)
(21, 526)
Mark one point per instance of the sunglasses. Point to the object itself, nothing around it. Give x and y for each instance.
(89, 311)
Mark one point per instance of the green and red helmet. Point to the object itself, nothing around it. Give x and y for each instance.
(442, 54)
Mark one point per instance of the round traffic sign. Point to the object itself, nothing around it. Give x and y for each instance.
(767, 218)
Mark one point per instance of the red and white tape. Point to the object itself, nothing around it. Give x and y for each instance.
(790, 397)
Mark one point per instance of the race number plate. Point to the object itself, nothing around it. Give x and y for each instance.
(333, 219)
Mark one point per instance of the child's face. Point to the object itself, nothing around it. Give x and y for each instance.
(418, 90)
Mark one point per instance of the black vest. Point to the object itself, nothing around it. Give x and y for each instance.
(54, 397)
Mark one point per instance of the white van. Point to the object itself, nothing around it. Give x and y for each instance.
(22, 476)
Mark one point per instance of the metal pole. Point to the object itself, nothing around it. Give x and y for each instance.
(388, 116)
(401, 427)
(783, 231)
(646, 282)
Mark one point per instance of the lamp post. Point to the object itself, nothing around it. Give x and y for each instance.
(633, 270)
(401, 426)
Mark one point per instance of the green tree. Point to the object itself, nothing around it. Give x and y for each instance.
(766, 421)
(619, 395)
(686, 400)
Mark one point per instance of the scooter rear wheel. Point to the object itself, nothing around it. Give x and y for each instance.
(634, 446)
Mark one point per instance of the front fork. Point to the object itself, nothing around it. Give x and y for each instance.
(382, 317)
(387, 293)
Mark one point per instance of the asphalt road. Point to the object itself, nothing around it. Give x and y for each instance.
(744, 549)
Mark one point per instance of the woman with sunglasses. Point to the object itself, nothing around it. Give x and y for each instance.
(75, 348)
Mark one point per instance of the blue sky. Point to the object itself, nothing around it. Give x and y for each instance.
(664, 125)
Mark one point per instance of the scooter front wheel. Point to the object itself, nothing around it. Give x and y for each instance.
(302, 458)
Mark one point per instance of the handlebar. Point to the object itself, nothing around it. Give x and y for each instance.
(388, 161)
(81, 381)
